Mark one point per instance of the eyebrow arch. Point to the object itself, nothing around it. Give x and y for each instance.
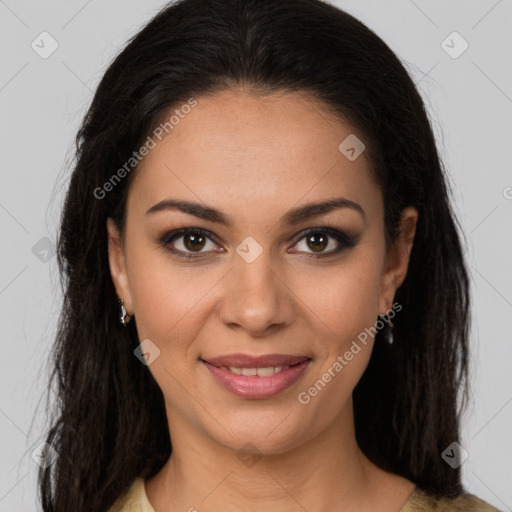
(291, 218)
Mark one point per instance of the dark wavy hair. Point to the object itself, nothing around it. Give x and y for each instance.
(109, 423)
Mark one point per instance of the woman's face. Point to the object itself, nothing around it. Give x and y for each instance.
(250, 170)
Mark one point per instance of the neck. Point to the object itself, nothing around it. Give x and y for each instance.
(325, 473)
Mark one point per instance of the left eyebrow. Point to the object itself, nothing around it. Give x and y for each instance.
(314, 210)
(291, 218)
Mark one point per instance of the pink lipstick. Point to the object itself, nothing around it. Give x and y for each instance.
(256, 377)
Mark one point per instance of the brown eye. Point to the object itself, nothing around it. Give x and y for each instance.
(320, 242)
(317, 242)
(194, 242)
(189, 243)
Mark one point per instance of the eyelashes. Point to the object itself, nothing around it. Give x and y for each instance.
(343, 241)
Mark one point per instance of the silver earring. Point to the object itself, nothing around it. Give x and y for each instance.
(390, 332)
(389, 329)
(389, 337)
(124, 317)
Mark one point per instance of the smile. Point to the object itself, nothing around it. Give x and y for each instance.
(257, 382)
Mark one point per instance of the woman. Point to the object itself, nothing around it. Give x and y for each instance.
(266, 299)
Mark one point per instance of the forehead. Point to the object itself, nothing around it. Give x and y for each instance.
(257, 154)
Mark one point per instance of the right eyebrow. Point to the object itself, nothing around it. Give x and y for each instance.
(195, 209)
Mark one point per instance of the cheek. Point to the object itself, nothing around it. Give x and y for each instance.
(166, 303)
(344, 297)
(345, 306)
(347, 314)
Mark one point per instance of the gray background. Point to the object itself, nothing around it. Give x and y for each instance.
(42, 102)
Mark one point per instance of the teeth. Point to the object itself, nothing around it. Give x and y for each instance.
(260, 372)
(266, 372)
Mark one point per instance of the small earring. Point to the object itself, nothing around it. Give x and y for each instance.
(390, 333)
(389, 337)
(124, 317)
(389, 330)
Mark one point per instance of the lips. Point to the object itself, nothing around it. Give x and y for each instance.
(257, 377)
(248, 361)
(256, 386)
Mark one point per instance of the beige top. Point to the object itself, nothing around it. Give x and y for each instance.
(136, 500)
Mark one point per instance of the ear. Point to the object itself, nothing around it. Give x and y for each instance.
(397, 259)
(117, 263)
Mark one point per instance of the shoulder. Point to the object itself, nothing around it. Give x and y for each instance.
(422, 502)
(134, 499)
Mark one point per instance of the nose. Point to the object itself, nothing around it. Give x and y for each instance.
(256, 297)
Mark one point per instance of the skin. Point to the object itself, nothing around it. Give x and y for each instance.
(255, 158)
